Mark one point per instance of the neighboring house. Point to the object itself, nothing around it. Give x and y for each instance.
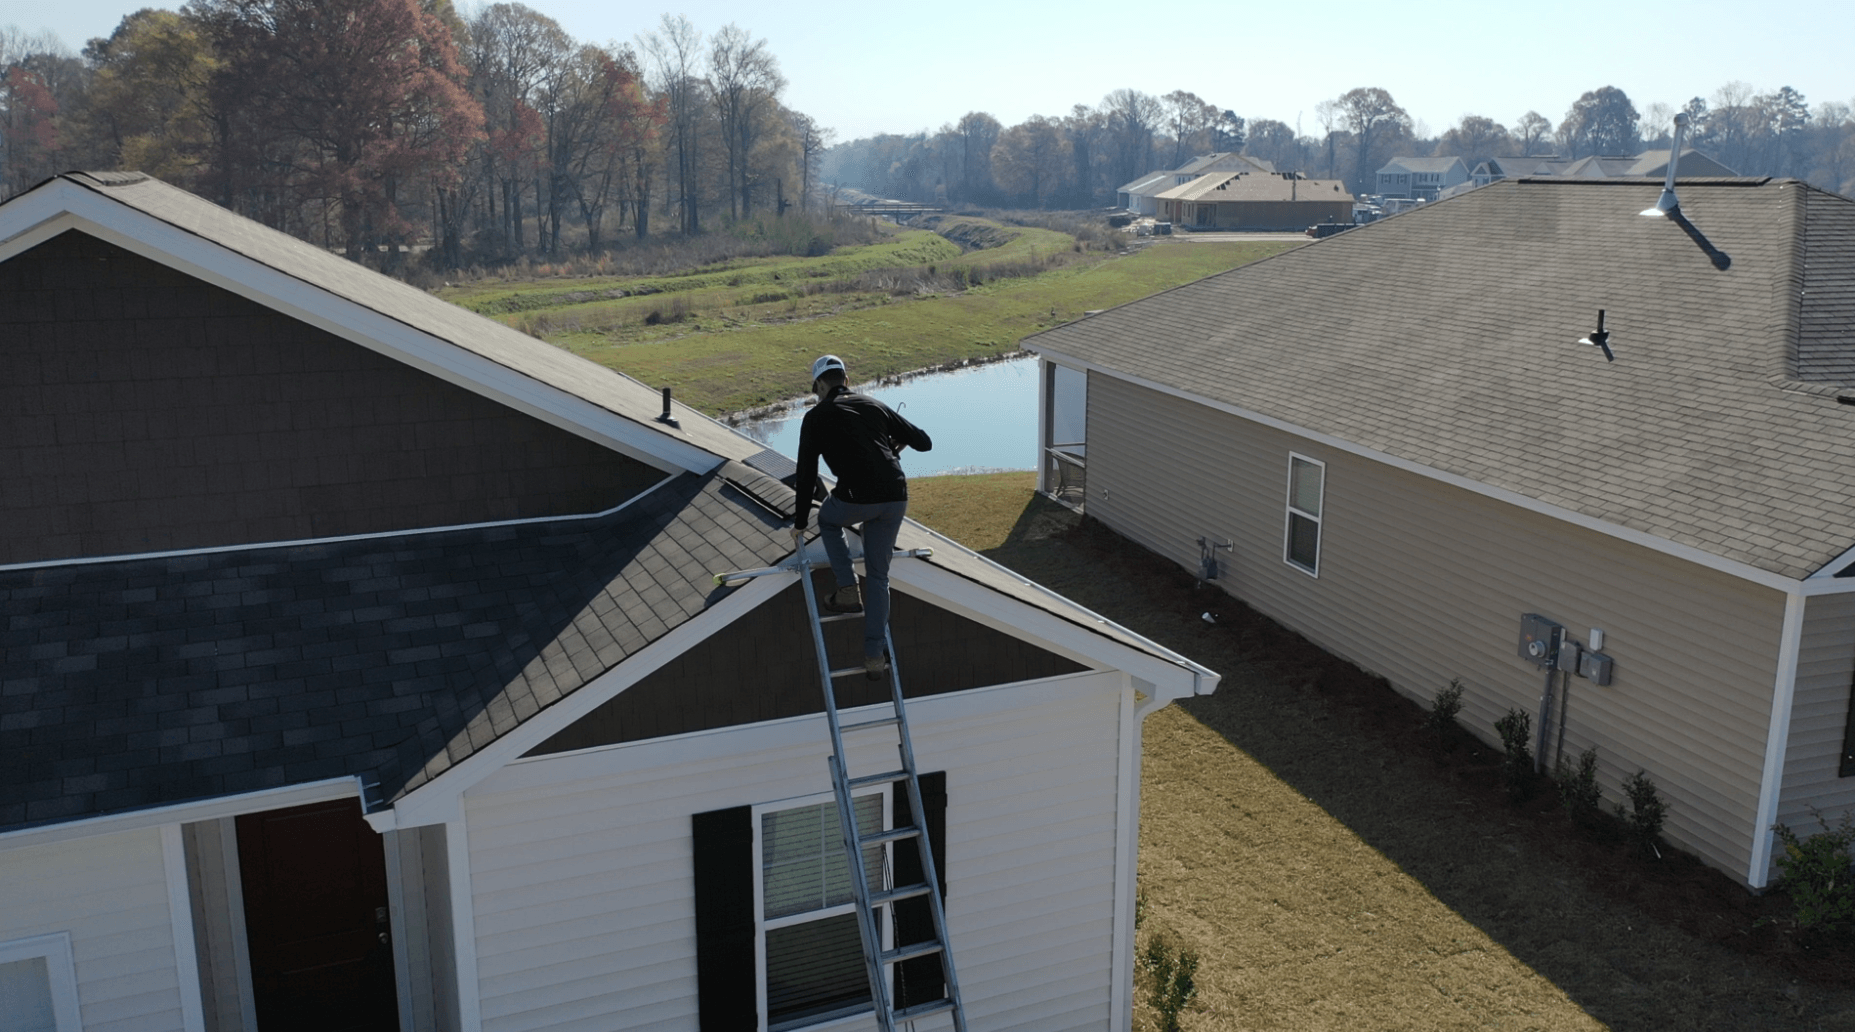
(1256, 201)
(1652, 163)
(1411, 455)
(1140, 195)
(1420, 178)
(363, 669)
(1496, 169)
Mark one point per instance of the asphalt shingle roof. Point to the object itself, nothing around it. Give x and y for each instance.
(132, 684)
(1450, 342)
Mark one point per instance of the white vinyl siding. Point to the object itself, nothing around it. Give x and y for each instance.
(583, 882)
(1819, 716)
(110, 894)
(1421, 582)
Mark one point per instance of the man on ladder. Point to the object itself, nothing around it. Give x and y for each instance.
(861, 439)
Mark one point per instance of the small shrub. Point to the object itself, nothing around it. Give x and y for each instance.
(1817, 873)
(1578, 789)
(1445, 706)
(1516, 731)
(1172, 987)
(1647, 810)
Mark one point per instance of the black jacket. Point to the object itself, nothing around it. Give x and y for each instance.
(861, 439)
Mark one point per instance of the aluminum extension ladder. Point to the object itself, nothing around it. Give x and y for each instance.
(876, 960)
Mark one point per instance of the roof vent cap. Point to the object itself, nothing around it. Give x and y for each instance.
(1668, 202)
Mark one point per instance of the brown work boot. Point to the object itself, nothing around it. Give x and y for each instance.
(843, 600)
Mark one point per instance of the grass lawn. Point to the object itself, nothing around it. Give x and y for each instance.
(1332, 874)
(741, 335)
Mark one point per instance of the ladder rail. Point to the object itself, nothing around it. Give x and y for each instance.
(877, 960)
(846, 814)
(918, 812)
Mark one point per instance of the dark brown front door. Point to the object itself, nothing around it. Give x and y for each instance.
(315, 914)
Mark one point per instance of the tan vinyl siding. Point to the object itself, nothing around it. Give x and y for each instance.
(110, 893)
(583, 882)
(1819, 715)
(1421, 582)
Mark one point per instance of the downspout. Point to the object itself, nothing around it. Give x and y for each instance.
(1777, 739)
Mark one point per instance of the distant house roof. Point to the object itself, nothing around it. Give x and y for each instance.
(1716, 428)
(1219, 161)
(1144, 183)
(1248, 186)
(1421, 165)
(1694, 163)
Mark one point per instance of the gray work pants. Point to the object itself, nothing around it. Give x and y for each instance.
(881, 521)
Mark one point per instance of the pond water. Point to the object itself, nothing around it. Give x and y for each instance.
(982, 418)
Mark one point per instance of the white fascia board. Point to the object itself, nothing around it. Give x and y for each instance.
(439, 801)
(62, 206)
(1687, 553)
(1173, 678)
(187, 813)
(1777, 739)
(1829, 569)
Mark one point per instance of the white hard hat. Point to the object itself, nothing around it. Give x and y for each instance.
(825, 364)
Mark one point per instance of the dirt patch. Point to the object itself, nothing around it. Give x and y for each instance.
(1335, 865)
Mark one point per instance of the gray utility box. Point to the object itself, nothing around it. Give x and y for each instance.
(1539, 640)
(1569, 653)
(1594, 667)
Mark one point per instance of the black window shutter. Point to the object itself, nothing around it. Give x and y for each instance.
(724, 862)
(920, 980)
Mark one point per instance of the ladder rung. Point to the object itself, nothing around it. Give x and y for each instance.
(904, 892)
(923, 1010)
(867, 724)
(901, 953)
(877, 838)
(840, 617)
(847, 671)
(879, 779)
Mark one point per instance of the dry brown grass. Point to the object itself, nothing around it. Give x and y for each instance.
(1336, 870)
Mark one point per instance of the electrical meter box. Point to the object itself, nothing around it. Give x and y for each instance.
(1569, 653)
(1539, 640)
(1594, 667)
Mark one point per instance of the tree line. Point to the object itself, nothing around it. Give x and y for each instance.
(1077, 160)
(366, 125)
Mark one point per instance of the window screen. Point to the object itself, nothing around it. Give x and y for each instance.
(26, 997)
(1306, 481)
(814, 965)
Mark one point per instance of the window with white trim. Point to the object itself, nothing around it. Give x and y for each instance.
(1307, 482)
(808, 950)
(38, 985)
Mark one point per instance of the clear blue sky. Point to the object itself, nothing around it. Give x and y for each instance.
(869, 67)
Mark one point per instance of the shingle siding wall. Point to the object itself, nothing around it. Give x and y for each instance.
(142, 410)
(763, 668)
(1422, 582)
(1819, 716)
(583, 881)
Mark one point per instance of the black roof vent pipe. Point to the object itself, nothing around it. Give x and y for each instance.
(667, 419)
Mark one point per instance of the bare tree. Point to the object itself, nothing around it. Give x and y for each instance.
(1370, 114)
(1532, 129)
(744, 81)
(1190, 119)
(1029, 159)
(1132, 118)
(978, 132)
(673, 51)
(512, 49)
(812, 139)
